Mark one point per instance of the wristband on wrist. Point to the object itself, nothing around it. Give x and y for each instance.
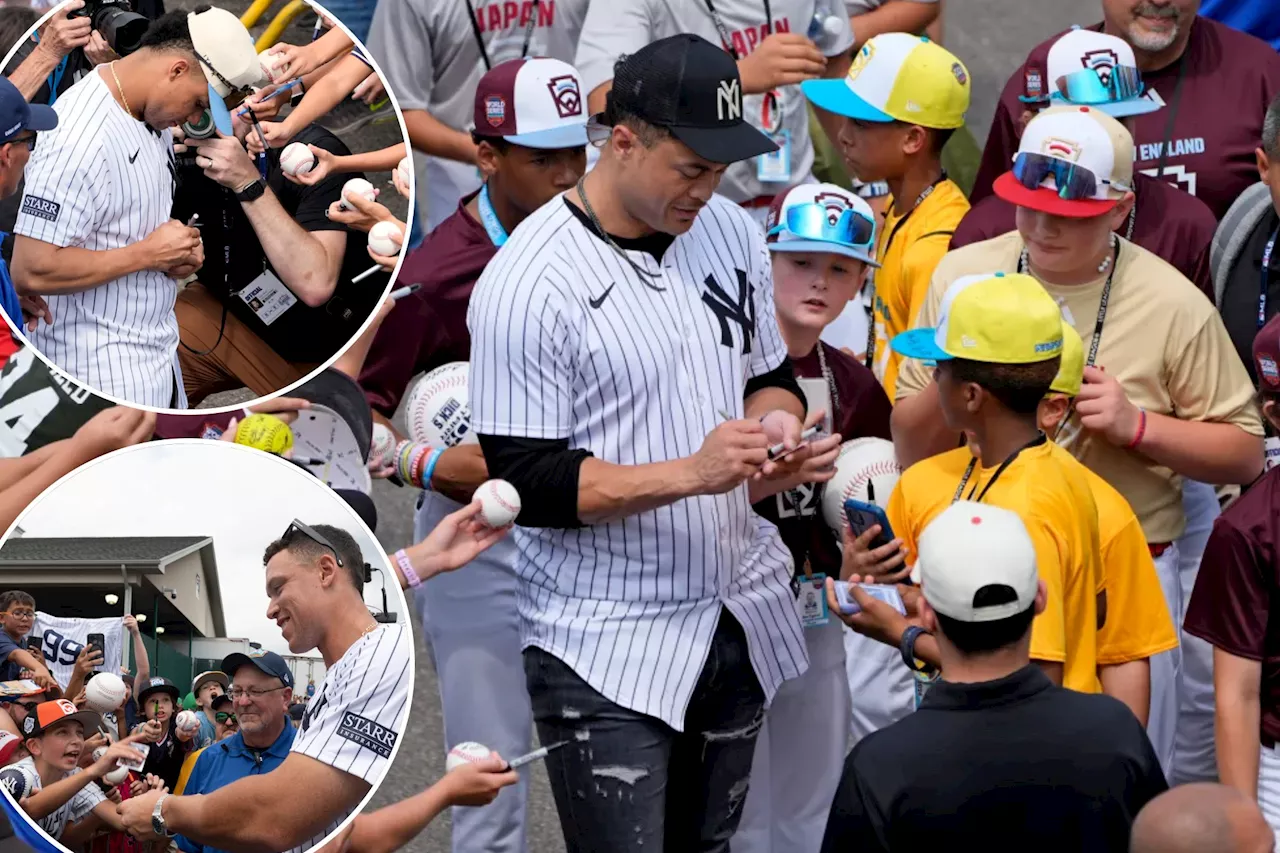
(1142, 430)
(406, 568)
(415, 464)
(907, 646)
(431, 467)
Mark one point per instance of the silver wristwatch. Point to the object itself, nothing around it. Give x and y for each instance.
(157, 820)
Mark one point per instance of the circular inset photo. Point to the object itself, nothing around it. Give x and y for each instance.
(207, 206)
(209, 641)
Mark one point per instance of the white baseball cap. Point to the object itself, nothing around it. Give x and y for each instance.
(227, 58)
(811, 218)
(1084, 137)
(973, 552)
(535, 102)
(1080, 50)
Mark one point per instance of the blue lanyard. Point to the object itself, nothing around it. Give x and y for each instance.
(1266, 275)
(489, 219)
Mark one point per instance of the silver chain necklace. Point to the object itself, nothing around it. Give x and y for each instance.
(648, 278)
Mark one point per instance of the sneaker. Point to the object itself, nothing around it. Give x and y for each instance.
(351, 115)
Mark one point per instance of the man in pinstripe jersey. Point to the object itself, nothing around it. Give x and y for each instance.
(94, 234)
(627, 370)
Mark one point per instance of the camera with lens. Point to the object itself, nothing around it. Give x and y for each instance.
(120, 26)
(201, 129)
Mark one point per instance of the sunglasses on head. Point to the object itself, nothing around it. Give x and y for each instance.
(1073, 182)
(296, 528)
(1087, 86)
(813, 222)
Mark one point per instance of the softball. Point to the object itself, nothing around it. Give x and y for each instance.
(265, 432)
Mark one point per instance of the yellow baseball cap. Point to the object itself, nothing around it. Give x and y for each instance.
(992, 318)
(898, 77)
(1071, 374)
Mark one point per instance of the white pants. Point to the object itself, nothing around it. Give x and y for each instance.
(1166, 667)
(1269, 787)
(884, 687)
(1195, 758)
(799, 754)
(470, 618)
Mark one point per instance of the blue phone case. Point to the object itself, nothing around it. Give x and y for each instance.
(862, 516)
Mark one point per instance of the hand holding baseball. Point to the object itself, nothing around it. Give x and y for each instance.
(478, 783)
(365, 215)
(325, 165)
(458, 539)
(1104, 407)
(731, 453)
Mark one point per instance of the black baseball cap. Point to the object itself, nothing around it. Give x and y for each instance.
(221, 701)
(691, 87)
(269, 663)
(159, 685)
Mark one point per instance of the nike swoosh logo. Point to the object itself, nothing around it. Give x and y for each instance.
(135, 155)
(598, 301)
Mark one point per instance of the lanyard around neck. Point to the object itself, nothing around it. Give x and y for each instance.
(484, 51)
(1040, 438)
(1267, 250)
(725, 35)
(489, 219)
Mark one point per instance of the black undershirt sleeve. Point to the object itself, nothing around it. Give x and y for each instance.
(783, 376)
(537, 466)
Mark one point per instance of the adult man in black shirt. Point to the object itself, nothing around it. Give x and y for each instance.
(274, 297)
(997, 757)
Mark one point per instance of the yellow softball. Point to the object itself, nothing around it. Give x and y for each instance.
(265, 432)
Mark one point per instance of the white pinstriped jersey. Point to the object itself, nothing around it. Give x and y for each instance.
(103, 180)
(359, 711)
(631, 605)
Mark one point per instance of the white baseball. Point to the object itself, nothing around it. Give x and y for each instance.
(386, 238)
(383, 444)
(499, 502)
(356, 186)
(111, 777)
(862, 461)
(186, 723)
(438, 411)
(105, 693)
(297, 159)
(405, 168)
(270, 63)
(468, 752)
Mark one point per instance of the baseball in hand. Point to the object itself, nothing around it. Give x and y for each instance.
(111, 777)
(186, 724)
(383, 445)
(265, 432)
(105, 693)
(468, 752)
(270, 63)
(405, 168)
(297, 159)
(356, 186)
(386, 238)
(499, 502)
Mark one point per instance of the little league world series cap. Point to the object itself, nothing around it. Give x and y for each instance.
(536, 103)
(227, 58)
(1266, 355)
(1087, 68)
(817, 217)
(269, 663)
(1071, 161)
(991, 318)
(691, 87)
(16, 115)
(898, 77)
(977, 563)
(156, 685)
(49, 714)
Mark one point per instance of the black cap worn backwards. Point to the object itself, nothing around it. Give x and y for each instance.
(689, 86)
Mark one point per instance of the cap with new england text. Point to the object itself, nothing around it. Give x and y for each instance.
(16, 115)
(690, 87)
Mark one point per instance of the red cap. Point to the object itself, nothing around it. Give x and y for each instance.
(1266, 355)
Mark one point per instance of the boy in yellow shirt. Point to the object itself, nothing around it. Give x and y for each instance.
(902, 99)
(997, 351)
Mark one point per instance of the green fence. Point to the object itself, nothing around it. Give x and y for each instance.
(171, 664)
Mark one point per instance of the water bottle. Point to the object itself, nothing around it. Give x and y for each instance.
(826, 25)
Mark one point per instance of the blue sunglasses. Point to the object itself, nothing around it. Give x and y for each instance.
(1086, 86)
(813, 221)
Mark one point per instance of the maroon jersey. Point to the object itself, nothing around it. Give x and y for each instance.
(1228, 81)
(1168, 223)
(1230, 605)
(428, 328)
(863, 410)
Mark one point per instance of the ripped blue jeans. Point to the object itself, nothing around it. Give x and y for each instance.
(628, 781)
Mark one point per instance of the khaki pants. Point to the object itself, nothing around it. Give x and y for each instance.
(240, 359)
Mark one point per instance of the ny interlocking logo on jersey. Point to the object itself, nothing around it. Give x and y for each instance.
(102, 180)
(638, 377)
(354, 721)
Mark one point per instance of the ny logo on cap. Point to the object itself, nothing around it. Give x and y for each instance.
(729, 100)
(564, 91)
(1062, 149)
(1101, 61)
(834, 204)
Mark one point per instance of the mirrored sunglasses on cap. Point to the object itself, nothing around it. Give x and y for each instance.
(812, 221)
(598, 130)
(1086, 86)
(1073, 182)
